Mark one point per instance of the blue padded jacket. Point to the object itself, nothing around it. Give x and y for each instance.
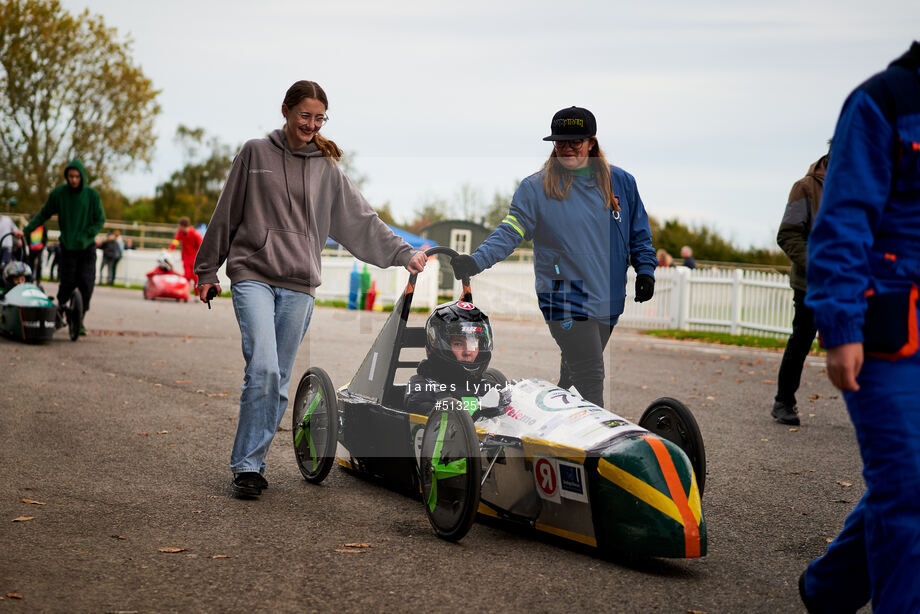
(581, 248)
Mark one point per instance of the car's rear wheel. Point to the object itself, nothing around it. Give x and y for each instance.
(74, 312)
(450, 469)
(315, 425)
(672, 420)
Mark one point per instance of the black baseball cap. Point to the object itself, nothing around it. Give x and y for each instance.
(572, 124)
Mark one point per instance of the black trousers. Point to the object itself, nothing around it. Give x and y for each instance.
(77, 270)
(582, 343)
(797, 348)
(35, 262)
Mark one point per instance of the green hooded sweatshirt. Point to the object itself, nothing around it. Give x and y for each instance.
(79, 212)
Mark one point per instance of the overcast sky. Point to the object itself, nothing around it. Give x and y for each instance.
(715, 107)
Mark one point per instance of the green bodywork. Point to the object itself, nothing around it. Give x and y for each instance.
(27, 314)
(627, 519)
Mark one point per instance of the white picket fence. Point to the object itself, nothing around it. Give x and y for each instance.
(724, 300)
(133, 267)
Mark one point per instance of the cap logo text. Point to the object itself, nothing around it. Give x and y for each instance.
(562, 123)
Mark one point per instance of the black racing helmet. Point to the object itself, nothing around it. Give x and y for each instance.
(462, 326)
(16, 269)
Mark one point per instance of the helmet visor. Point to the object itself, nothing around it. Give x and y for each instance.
(467, 337)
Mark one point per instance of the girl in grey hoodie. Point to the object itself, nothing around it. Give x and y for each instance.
(284, 196)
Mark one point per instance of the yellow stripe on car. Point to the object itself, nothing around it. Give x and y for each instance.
(639, 489)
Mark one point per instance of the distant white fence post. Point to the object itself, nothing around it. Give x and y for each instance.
(680, 300)
(737, 278)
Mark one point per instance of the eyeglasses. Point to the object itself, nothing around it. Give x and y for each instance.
(318, 120)
(574, 144)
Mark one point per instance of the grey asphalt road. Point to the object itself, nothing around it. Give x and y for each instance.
(124, 438)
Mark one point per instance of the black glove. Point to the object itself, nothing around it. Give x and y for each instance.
(464, 266)
(645, 288)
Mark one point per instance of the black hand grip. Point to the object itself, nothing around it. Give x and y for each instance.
(212, 292)
(466, 293)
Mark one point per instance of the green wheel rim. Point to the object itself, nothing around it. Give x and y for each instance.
(305, 428)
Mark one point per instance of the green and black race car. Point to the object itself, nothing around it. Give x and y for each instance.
(545, 457)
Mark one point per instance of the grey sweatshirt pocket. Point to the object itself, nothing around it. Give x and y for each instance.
(285, 256)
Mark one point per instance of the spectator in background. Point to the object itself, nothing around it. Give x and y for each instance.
(118, 253)
(664, 258)
(687, 254)
(7, 226)
(863, 271)
(54, 254)
(129, 244)
(110, 256)
(801, 209)
(190, 240)
(38, 239)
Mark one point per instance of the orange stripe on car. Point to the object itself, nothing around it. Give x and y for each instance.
(691, 529)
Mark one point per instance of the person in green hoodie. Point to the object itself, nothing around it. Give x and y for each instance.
(80, 217)
(284, 196)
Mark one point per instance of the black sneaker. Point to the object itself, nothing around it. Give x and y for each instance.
(248, 485)
(262, 481)
(785, 414)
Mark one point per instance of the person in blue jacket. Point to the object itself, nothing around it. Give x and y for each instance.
(587, 224)
(863, 267)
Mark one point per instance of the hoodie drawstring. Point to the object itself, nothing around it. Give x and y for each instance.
(286, 186)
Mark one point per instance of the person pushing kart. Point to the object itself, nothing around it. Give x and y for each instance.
(80, 216)
(458, 345)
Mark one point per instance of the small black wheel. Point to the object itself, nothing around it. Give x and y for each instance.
(315, 425)
(496, 377)
(672, 420)
(450, 469)
(74, 312)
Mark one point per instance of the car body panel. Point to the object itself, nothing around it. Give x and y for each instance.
(27, 314)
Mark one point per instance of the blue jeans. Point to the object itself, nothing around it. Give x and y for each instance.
(273, 322)
(877, 555)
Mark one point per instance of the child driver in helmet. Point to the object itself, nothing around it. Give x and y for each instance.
(15, 273)
(458, 343)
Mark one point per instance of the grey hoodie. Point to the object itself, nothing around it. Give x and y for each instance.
(275, 212)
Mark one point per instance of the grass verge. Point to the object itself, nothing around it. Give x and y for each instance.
(725, 338)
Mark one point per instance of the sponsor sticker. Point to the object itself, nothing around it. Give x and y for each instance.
(572, 481)
(465, 305)
(417, 434)
(546, 475)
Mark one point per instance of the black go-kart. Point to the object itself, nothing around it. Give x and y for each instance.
(28, 314)
(549, 459)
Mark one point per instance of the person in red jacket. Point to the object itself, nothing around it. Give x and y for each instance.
(190, 240)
